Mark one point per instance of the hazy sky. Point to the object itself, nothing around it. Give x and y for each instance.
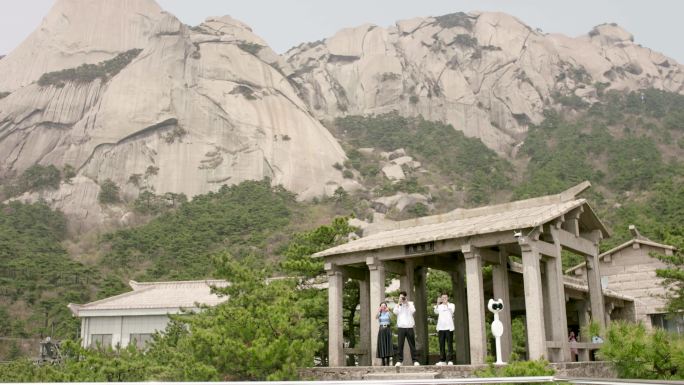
(656, 24)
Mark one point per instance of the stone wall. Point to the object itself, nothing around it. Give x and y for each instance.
(595, 369)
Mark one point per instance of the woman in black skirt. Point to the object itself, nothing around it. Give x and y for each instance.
(385, 347)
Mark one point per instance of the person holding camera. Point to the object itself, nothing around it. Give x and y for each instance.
(405, 323)
(385, 347)
(445, 328)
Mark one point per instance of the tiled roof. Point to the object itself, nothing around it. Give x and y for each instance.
(158, 295)
(459, 224)
(643, 241)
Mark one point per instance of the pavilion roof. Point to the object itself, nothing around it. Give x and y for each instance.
(461, 223)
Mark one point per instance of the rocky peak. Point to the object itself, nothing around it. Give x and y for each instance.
(486, 73)
(76, 32)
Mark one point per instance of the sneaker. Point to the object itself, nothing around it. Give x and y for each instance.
(440, 363)
(450, 363)
(397, 364)
(416, 363)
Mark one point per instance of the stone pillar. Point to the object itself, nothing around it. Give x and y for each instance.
(476, 308)
(377, 295)
(534, 312)
(501, 290)
(335, 323)
(595, 290)
(365, 319)
(422, 345)
(583, 316)
(558, 321)
(461, 342)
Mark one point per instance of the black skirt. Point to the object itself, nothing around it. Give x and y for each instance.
(385, 347)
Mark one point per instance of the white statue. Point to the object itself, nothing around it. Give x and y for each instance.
(495, 306)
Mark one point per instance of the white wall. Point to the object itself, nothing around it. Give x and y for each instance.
(121, 327)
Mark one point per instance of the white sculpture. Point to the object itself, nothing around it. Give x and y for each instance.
(495, 306)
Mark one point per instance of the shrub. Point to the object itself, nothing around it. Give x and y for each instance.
(87, 73)
(638, 353)
(458, 19)
(252, 48)
(518, 369)
(245, 91)
(465, 41)
(348, 174)
(35, 178)
(414, 99)
(109, 192)
(4, 94)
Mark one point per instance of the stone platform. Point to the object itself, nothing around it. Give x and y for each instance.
(594, 369)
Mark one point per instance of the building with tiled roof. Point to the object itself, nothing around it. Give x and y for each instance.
(134, 316)
(630, 269)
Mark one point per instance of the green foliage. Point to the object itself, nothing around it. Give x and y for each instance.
(638, 353)
(178, 243)
(263, 332)
(252, 48)
(465, 160)
(34, 178)
(673, 273)
(457, 19)
(149, 203)
(109, 192)
(465, 40)
(518, 369)
(635, 163)
(36, 270)
(87, 73)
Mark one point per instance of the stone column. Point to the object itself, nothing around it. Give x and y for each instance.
(501, 290)
(476, 308)
(534, 312)
(377, 295)
(462, 344)
(420, 279)
(335, 323)
(595, 290)
(556, 293)
(559, 320)
(583, 316)
(365, 320)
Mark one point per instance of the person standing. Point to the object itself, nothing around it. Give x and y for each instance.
(405, 324)
(445, 328)
(385, 347)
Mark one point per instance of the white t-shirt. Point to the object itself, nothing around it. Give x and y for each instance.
(445, 321)
(405, 315)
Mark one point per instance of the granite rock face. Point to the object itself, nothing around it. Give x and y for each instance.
(487, 74)
(195, 109)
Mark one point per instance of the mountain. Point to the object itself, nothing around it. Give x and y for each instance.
(158, 106)
(488, 74)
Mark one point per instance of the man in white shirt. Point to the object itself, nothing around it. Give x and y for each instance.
(445, 328)
(404, 311)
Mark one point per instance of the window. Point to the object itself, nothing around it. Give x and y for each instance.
(140, 339)
(100, 340)
(671, 322)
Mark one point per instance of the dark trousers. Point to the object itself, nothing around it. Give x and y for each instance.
(410, 336)
(448, 337)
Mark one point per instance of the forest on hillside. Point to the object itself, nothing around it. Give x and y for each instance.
(630, 146)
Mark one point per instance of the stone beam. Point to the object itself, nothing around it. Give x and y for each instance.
(576, 244)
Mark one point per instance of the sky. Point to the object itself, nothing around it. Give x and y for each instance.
(655, 24)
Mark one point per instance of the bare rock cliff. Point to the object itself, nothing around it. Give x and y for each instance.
(189, 110)
(487, 74)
